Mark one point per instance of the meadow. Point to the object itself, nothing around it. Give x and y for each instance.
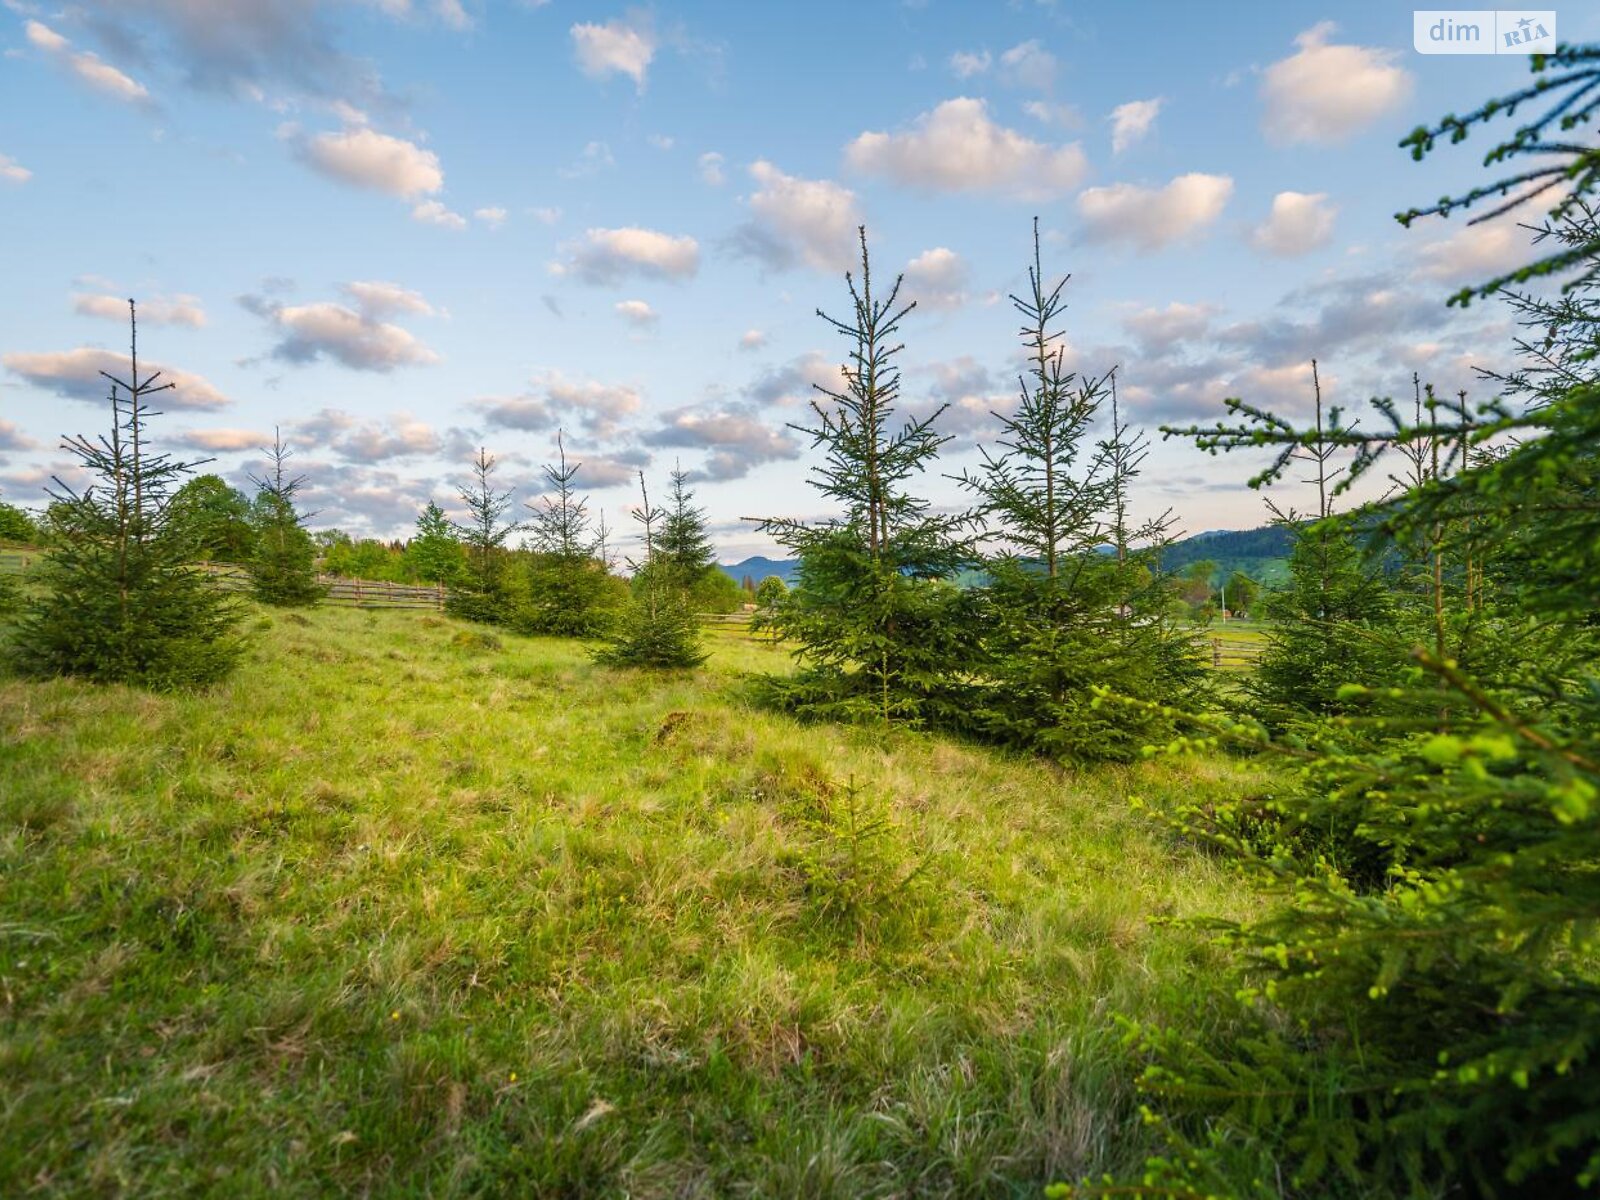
(402, 907)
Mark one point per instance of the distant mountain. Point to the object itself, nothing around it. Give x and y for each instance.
(1262, 554)
(758, 568)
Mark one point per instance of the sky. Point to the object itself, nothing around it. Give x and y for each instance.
(401, 230)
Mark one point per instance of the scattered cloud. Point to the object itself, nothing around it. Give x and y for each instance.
(1150, 218)
(11, 171)
(365, 158)
(1299, 223)
(937, 279)
(433, 212)
(752, 339)
(711, 169)
(622, 46)
(12, 438)
(555, 401)
(661, 141)
(493, 217)
(545, 216)
(87, 67)
(795, 383)
(637, 313)
(1159, 330)
(965, 64)
(608, 256)
(1028, 65)
(735, 436)
(1130, 122)
(377, 299)
(224, 440)
(957, 147)
(1324, 93)
(798, 221)
(595, 158)
(1048, 112)
(355, 337)
(156, 310)
(1474, 253)
(75, 375)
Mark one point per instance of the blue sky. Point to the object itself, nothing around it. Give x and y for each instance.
(401, 229)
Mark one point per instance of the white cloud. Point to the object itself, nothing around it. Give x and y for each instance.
(606, 256)
(1150, 218)
(596, 157)
(1029, 65)
(557, 401)
(738, 440)
(545, 216)
(1159, 329)
(432, 212)
(12, 438)
(1050, 113)
(752, 339)
(356, 337)
(711, 169)
(1300, 222)
(810, 221)
(636, 312)
(378, 299)
(218, 440)
(661, 141)
(1324, 93)
(1131, 121)
(369, 159)
(1474, 253)
(956, 147)
(11, 171)
(75, 374)
(966, 64)
(937, 278)
(89, 68)
(493, 216)
(619, 47)
(157, 310)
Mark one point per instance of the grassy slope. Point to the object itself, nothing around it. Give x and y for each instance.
(392, 916)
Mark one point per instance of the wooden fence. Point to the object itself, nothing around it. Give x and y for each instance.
(1235, 654)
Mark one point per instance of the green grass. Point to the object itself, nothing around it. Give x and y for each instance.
(391, 914)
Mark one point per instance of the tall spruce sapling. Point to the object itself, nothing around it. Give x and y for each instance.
(484, 593)
(283, 565)
(1055, 506)
(568, 591)
(119, 597)
(659, 627)
(877, 630)
(1432, 1026)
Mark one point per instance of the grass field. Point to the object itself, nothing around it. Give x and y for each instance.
(396, 913)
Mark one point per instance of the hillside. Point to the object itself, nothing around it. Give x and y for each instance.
(1262, 554)
(394, 911)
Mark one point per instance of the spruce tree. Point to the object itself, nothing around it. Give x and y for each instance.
(119, 597)
(283, 566)
(1424, 1018)
(877, 630)
(1052, 501)
(658, 628)
(484, 593)
(568, 590)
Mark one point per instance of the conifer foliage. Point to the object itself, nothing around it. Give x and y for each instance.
(877, 630)
(484, 593)
(568, 590)
(659, 627)
(119, 597)
(283, 566)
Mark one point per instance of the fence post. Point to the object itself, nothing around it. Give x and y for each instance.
(1216, 652)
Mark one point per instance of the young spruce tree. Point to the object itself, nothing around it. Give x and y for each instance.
(659, 627)
(878, 632)
(283, 565)
(120, 599)
(484, 593)
(568, 591)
